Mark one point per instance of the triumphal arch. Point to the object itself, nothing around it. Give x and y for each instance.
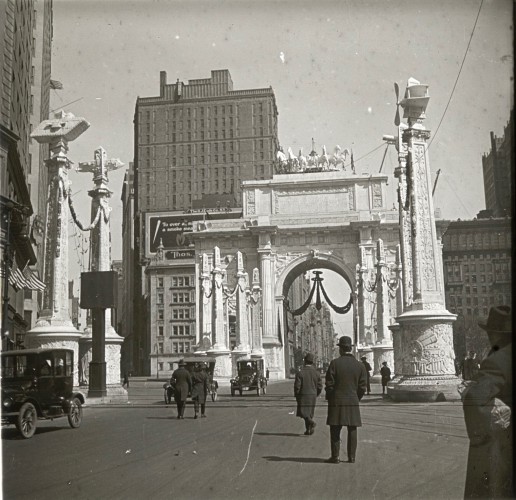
(303, 219)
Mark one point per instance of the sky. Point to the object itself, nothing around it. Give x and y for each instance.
(331, 64)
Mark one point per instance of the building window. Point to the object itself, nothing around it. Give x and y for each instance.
(160, 347)
(161, 314)
(160, 282)
(160, 298)
(160, 330)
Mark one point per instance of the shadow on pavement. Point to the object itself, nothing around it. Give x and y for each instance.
(12, 433)
(303, 460)
(278, 434)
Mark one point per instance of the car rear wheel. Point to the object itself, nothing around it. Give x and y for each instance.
(27, 420)
(75, 413)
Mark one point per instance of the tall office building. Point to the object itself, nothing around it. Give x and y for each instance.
(25, 53)
(497, 166)
(202, 138)
(194, 145)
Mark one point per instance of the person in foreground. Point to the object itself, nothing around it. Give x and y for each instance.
(199, 390)
(346, 383)
(307, 386)
(182, 382)
(487, 405)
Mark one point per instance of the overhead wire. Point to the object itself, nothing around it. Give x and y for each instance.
(458, 75)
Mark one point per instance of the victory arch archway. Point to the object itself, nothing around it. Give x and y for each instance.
(295, 223)
(298, 266)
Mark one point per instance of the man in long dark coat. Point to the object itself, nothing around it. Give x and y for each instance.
(182, 382)
(307, 386)
(346, 383)
(199, 390)
(487, 404)
(368, 368)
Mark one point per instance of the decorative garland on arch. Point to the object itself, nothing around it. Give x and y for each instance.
(316, 288)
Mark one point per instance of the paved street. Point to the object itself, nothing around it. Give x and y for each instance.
(248, 447)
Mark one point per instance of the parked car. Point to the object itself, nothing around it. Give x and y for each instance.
(249, 377)
(38, 384)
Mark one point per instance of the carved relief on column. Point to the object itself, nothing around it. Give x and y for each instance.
(217, 324)
(251, 207)
(206, 300)
(382, 295)
(255, 307)
(242, 340)
(360, 274)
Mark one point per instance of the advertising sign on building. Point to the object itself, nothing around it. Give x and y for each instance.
(171, 229)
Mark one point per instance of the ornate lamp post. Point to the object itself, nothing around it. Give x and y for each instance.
(54, 326)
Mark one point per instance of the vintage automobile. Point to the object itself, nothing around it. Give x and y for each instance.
(38, 383)
(191, 362)
(249, 377)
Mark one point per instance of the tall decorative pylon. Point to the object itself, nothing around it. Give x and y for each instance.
(382, 350)
(54, 327)
(100, 260)
(219, 349)
(255, 313)
(423, 355)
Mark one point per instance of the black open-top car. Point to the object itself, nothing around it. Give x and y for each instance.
(38, 383)
(249, 377)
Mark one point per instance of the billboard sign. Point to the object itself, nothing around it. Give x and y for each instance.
(172, 230)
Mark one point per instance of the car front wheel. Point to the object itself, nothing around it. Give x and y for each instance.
(27, 420)
(75, 413)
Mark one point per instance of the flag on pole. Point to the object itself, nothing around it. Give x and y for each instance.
(352, 163)
(56, 85)
(33, 282)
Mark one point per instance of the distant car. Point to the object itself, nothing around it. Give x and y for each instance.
(38, 384)
(249, 377)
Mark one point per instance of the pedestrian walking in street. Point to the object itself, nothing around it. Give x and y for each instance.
(199, 390)
(182, 383)
(267, 374)
(487, 404)
(125, 382)
(470, 366)
(368, 370)
(346, 383)
(307, 386)
(385, 373)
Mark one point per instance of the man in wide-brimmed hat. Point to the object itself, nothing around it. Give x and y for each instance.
(346, 383)
(487, 404)
(307, 386)
(182, 382)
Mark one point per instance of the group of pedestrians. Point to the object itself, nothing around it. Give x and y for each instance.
(195, 385)
(486, 395)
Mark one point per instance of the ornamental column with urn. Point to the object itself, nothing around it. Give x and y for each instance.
(424, 358)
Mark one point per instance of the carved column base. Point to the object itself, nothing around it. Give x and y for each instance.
(114, 394)
(56, 337)
(424, 357)
(275, 362)
(223, 366)
(424, 389)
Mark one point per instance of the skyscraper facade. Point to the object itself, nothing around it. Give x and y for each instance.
(194, 145)
(497, 166)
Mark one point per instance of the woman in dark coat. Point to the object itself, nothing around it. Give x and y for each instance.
(307, 386)
(182, 382)
(199, 390)
(346, 383)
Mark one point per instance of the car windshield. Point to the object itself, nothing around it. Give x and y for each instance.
(19, 366)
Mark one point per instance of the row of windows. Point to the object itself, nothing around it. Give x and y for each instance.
(177, 330)
(177, 281)
(178, 313)
(471, 257)
(177, 297)
(478, 239)
(203, 111)
(177, 348)
(204, 173)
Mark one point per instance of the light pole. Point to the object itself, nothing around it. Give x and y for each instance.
(156, 348)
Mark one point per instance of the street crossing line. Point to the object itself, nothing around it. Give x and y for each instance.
(249, 448)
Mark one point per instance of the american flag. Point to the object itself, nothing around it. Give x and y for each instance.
(25, 278)
(34, 283)
(56, 85)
